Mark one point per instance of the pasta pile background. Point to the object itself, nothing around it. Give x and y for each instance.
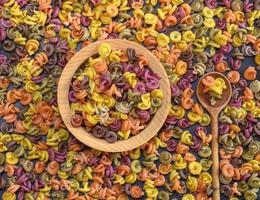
(40, 159)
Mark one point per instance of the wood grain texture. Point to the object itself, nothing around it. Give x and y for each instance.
(214, 113)
(85, 137)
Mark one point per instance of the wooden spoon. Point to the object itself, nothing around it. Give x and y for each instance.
(214, 112)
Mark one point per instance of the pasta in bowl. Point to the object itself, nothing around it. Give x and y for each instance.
(114, 95)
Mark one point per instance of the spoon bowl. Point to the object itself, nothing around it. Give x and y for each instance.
(204, 99)
(214, 111)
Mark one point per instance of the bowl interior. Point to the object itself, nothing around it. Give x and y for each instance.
(81, 133)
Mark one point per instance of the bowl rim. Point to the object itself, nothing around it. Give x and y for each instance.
(87, 138)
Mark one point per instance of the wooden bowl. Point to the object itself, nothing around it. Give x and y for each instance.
(81, 133)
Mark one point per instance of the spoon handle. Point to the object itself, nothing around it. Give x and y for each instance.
(215, 156)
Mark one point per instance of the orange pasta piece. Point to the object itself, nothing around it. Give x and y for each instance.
(187, 93)
(248, 94)
(189, 157)
(159, 181)
(187, 103)
(113, 91)
(182, 148)
(76, 169)
(4, 82)
(143, 175)
(170, 20)
(19, 128)
(197, 109)
(222, 67)
(237, 152)
(186, 7)
(13, 188)
(233, 76)
(250, 74)
(53, 167)
(165, 135)
(10, 97)
(123, 170)
(208, 81)
(136, 192)
(143, 61)
(9, 169)
(101, 66)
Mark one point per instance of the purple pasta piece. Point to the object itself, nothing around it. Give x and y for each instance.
(211, 3)
(223, 129)
(171, 120)
(251, 118)
(3, 2)
(227, 3)
(127, 67)
(53, 40)
(242, 83)
(109, 171)
(20, 195)
(22, 179)
(248, 6)
(180, 14)
(226, 190)
(18, 172)
(35, 186)
(140, 88)
(257, 128)
(60, 158)
(110, 136)
(51, 154)
(85, 21)
(183, 123)
(53, 101)
(2, 34)
(221, 23)
(190, 76)
(196, 145)
(236, 102)
(171, 145)
(248, 132)
(41, 183)
(3, 59)
(28, 184)
(200, 128)
(235, 63)
(94, 161)
(151, 84)
(127, 189)
(236, 162)
(175, 91)
(37, 79)
(72, 98)
(116, 125)
(143, 114)
(26, 189)
(218, 57)
(125, 160)
(5, 23)
(105, 82)
(55, 12)
(245, 177)
(107, 183)
(226, 49)
(183, 84)
(136, 69)
(112, 36)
